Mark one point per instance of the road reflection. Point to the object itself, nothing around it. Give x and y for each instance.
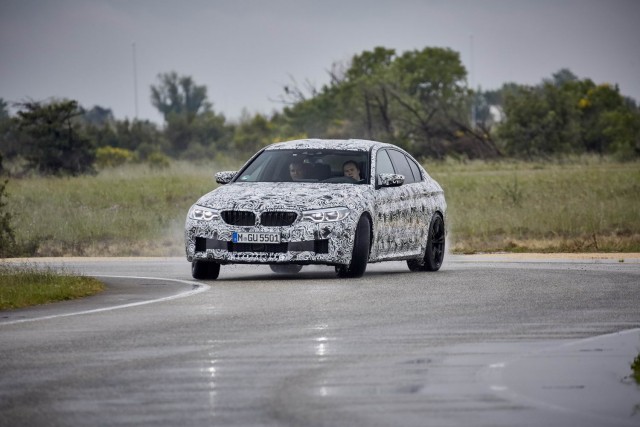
(211, 371)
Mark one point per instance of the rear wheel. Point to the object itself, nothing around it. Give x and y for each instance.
(285, 268)
(360, 255)
(205, 270)
(434, 254)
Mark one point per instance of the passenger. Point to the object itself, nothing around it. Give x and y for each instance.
(351, 169)
(297, 170)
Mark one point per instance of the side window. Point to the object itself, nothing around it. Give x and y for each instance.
(383, 163)
(415, 169)
(402, 166)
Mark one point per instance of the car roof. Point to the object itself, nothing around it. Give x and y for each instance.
(333, 144)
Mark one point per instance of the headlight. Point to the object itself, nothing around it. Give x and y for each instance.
(326, 215)
(203, 214)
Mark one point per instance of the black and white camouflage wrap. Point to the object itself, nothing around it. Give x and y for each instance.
(400, 216)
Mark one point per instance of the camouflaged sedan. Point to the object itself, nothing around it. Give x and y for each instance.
(343, 203)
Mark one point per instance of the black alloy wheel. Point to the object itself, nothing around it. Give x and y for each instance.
(434, 254)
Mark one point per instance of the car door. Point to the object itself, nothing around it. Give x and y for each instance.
(412, 202)
(397, 233)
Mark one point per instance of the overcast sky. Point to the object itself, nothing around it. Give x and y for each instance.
(245, 51)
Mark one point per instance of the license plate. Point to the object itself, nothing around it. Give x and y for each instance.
(256, 237)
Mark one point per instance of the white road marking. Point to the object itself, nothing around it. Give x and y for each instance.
(199, 287)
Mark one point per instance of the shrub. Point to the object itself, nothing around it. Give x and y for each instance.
(158, 160)
(109, 157)
(7, 235)
(635, 367)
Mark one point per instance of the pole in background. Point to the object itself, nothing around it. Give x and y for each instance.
(473, 102)
(135, 80)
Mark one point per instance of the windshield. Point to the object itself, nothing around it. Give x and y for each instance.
(331, 166)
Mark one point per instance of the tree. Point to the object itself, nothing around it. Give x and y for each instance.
(252, 133)
(4, 110)
(563, 77)
(315, 112)
(9, 149)
(367, 91)
(320, 117)
(188, 114)
(141, 136)
(568, 115)
(418, 100)
(54, 143)
(540, 121)
(179, 95)
(433, 98)
(98, 116)
(609, 123)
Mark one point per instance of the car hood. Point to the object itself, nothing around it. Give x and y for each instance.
(264, 196)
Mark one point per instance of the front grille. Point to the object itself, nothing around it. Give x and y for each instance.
(257, 247)
(277, 219)
(243, 218)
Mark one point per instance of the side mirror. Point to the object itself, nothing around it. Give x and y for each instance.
(390, 180)
(225, 177)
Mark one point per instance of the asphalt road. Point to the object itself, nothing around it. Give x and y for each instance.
(468, 345)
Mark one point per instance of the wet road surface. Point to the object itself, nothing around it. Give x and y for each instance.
(392, 348)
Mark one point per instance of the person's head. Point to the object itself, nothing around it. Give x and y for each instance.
(296, 170)
(350, 169)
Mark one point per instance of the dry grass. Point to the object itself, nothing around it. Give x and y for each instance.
(586, 204)
(125, 211)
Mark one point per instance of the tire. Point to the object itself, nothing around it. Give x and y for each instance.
(205, 270)
(285, 268)
(360, 255)
(434, 254)
(415, 264)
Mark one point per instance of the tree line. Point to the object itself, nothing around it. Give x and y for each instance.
(419, 100)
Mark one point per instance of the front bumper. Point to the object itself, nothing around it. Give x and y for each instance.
(328, 243)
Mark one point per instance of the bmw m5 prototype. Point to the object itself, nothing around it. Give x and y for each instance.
(343, 203)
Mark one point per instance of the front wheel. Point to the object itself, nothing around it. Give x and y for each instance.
(205, 270)
(434, 254)
(360, 255)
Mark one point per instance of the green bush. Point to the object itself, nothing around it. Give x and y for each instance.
(158, 161)
(109, 157)
(635, 367)
(7, 235)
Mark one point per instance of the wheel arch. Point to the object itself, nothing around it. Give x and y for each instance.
(371, 227)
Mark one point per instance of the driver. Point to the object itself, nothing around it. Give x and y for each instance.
(350, 168)
(297, 170)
